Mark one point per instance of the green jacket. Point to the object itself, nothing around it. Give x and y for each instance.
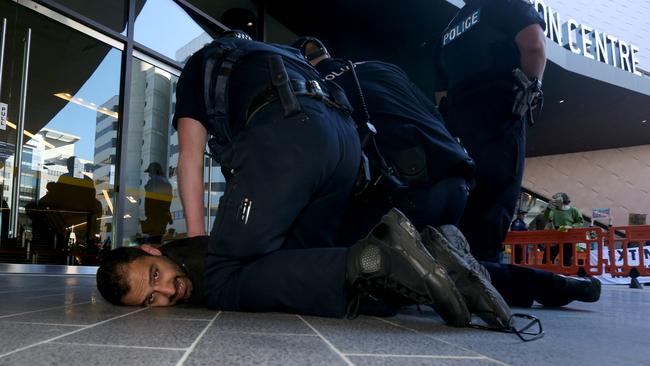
(564, 218)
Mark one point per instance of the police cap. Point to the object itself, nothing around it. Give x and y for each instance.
(302, 42)
(235, 33)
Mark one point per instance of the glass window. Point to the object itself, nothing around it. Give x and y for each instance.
(111, 13)
(60, 196)
(153, 212)
(165, 27)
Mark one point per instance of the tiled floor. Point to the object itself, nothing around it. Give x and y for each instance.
(62, 320)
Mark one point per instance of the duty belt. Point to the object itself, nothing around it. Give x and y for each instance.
(309, 88)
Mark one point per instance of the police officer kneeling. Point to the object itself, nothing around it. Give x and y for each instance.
(290, 154)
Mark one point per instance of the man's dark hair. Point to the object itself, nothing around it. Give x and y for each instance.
(111, 278)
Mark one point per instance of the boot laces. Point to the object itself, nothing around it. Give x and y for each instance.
(530, 331)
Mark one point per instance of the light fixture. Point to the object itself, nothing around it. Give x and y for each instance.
(644, 121)
(127, 216)
(131, 199)
(83, 103)
(561, 101)
(29, 134)
(250, 24)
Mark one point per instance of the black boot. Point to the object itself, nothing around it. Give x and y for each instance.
(450, 248)
(567, 289)
(391, 261)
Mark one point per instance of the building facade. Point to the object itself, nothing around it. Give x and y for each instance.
(87, 93)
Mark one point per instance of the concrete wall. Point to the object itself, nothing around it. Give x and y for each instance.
(614, 178)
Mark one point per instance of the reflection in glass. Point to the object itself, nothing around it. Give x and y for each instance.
(153, 212)
(68, 157)
(166, 28)
(150, 182)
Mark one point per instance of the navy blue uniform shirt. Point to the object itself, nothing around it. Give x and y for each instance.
(479, 42)
(404, 116)
(250, 77)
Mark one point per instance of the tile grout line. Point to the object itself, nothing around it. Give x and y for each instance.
(191, 348)
(41, 296)
(71, 275)
(442, 340)
(40, 323)
(336, 350)
(383, 355)
(50, 308)
(69, 333)
(119, 346)
(38, 289)
(267, 333)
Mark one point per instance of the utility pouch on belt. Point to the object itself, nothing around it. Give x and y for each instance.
(374, 172)
(528, 95)
(280, 80)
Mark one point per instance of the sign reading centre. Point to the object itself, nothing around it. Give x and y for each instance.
(587, 41)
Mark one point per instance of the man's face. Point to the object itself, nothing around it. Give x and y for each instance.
(155, 281)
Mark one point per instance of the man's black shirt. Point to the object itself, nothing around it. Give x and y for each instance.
(189, 254)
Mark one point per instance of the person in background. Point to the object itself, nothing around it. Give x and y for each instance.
(563, 217)
(518, 224)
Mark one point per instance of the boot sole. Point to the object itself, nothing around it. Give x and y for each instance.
(480, 295)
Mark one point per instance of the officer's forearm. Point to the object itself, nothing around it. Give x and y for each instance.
(532, 48)
(192, 137)
(190, 184)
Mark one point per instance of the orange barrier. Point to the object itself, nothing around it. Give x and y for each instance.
(630, 240)
(544, 249)
(630, 249)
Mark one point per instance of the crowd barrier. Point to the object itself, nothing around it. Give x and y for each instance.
(620, 251)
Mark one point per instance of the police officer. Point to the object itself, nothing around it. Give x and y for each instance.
(429, 171)
(433, 166)
(290, 154)
(418, 167)
(487, 105)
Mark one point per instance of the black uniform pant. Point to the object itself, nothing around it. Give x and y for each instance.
(272, 244)
(439, 204)
(496, 141)
(520, 286)
(442, 204)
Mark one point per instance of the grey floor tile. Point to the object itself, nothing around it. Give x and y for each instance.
(370, 335)
(143, 331)
(612, 331)
(420, 361)
(261, 323)
(84, 314)
(218, 348)
(14, 336)
(183, 311)
(50, 354)
(15, 282)
(576, 335)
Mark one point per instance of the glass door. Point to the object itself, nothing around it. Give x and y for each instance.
(59, 95)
